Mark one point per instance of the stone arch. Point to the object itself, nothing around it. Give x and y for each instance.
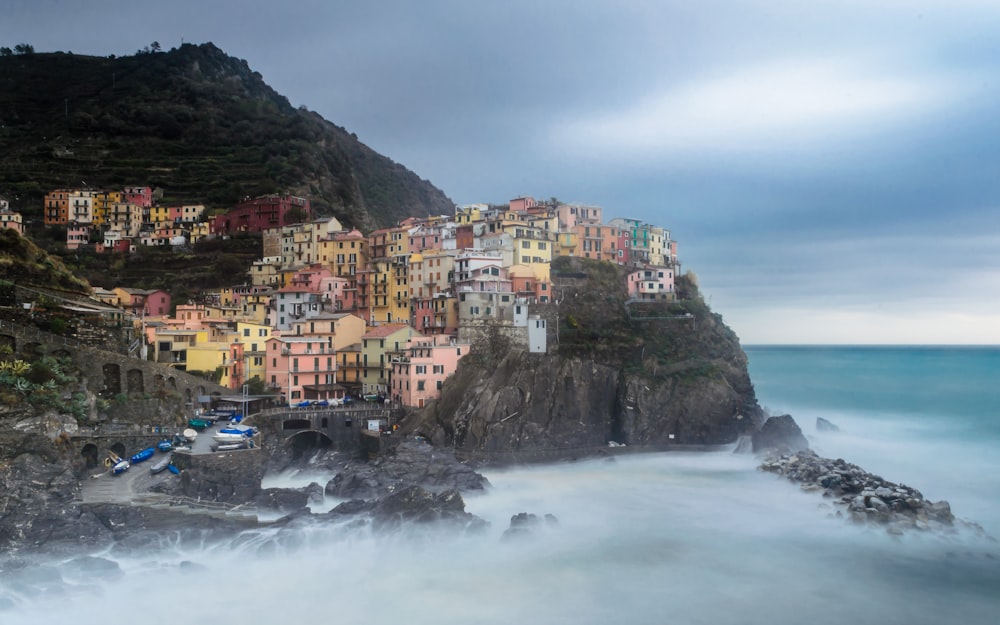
(201, 390)
(325, 423)
(296, 424)
(112, 379)
(172, 384)
(61, 353)
(159, 383)
(33, 350)
(118, 449)
(89, 454)
(309, 440)
(8, 341)
(134, 381)
(187, 393)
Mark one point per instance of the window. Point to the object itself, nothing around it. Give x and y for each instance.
(420, 385)
(438, 369)
(439, 385)
(246, 331)
(421, 369)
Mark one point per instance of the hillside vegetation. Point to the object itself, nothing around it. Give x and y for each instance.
(195, 122)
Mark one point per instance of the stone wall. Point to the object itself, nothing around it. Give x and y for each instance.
(109, 374)
(227, 476)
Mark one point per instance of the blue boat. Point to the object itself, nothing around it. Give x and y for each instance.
(165, 446)
(143, 455)
(173, 469)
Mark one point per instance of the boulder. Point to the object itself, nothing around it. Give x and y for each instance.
(412, 462)
(414, 504)
(779, 434)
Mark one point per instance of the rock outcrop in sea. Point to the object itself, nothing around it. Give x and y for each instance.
(861, 496)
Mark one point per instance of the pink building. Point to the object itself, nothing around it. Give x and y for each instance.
(76, 236)
(140, 196)
(10, 219)
(157, 303)
(302, 367)
(651, 283)
(522, 204)
(417, 377)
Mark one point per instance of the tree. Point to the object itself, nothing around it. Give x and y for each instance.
(155, 46)
(5, 51)
(256, 386)
(24, 48)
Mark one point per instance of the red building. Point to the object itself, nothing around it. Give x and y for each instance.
(261, 213)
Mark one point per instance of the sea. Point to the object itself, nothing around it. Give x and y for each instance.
(678, 537)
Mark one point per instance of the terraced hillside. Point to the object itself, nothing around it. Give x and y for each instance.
(195, 122)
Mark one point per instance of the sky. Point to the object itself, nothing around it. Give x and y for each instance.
(830, 169)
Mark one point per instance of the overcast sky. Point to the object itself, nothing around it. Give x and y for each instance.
(831, 169)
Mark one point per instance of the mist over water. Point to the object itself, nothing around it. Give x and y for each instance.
(665, 538)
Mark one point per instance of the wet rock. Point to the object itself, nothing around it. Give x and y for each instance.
(412, 462)
(868, 498)
(414, 504)
(779, 434)
(283, 499)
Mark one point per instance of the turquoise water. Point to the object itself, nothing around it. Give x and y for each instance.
(925, 416)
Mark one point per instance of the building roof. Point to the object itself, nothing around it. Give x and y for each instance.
(385, 330)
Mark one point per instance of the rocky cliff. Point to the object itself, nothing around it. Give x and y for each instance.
(618, 373)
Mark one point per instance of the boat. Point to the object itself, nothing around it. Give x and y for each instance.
(173, 469)
(190, 434)
(230, 446)
(199, 424)
(246, 430)
(160, 466)
(116, 464)
(143, 455)
(229, 437)
(165, 446)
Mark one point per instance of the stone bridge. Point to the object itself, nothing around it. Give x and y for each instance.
(336, 427)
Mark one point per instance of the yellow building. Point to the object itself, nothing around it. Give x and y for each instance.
(247, 353)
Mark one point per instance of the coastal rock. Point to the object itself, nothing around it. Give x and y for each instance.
(284, 499)
(413, 504)
(867, 498)
(412, 462)
(780, 434)
(524, 524)
(822, 425)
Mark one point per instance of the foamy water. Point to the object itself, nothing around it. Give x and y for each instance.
(689, 538)
(667, 538)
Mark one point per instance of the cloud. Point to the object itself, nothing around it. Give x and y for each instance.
(780, 106)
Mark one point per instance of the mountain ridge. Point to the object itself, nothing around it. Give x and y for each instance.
(196, 122)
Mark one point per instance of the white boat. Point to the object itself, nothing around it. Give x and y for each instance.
(224, 438)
